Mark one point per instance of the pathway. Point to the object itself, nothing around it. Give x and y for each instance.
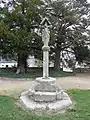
(80, 81)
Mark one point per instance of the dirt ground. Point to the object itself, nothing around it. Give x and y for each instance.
(79, 81)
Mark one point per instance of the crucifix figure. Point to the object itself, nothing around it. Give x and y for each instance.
(46, 36)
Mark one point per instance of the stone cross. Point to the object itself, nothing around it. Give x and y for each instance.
(45, 48)
(45, 95)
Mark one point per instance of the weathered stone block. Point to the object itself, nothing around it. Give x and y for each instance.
(45, 87)
(60, 105)
(59, 96)
(31, 92)
(44, 96)
(48, 80)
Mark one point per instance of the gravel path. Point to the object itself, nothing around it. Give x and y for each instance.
(80, 81)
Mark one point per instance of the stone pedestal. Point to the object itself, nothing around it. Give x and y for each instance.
(46, 95)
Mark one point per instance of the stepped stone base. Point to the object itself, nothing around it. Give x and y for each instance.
(55, 106)
(46, 96)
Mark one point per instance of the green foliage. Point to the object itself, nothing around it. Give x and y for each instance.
(32, 73)
(20, 18)
(37, 47)
(4, 42)
(81, 53)
(19, 21)
(80, 111)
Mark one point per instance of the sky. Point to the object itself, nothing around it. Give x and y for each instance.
(88, 1)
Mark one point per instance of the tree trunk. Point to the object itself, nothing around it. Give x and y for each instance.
(57, 59)
(22, 63)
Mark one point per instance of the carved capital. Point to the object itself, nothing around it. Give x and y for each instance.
(46, 48)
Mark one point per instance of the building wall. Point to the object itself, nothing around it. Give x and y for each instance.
(9, 65)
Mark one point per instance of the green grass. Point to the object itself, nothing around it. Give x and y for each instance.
(32, 74)
(54, 73)
(80, 111)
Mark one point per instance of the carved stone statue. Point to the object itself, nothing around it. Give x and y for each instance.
(46, 36)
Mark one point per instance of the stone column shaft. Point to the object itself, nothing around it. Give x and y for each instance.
(45, 64)
(45, 61)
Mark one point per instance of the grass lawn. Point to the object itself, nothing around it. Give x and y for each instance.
(32, 74)
(80, 111)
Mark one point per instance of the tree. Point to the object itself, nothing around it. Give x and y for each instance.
(62, 17)
(69, 24)
(21, 16)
